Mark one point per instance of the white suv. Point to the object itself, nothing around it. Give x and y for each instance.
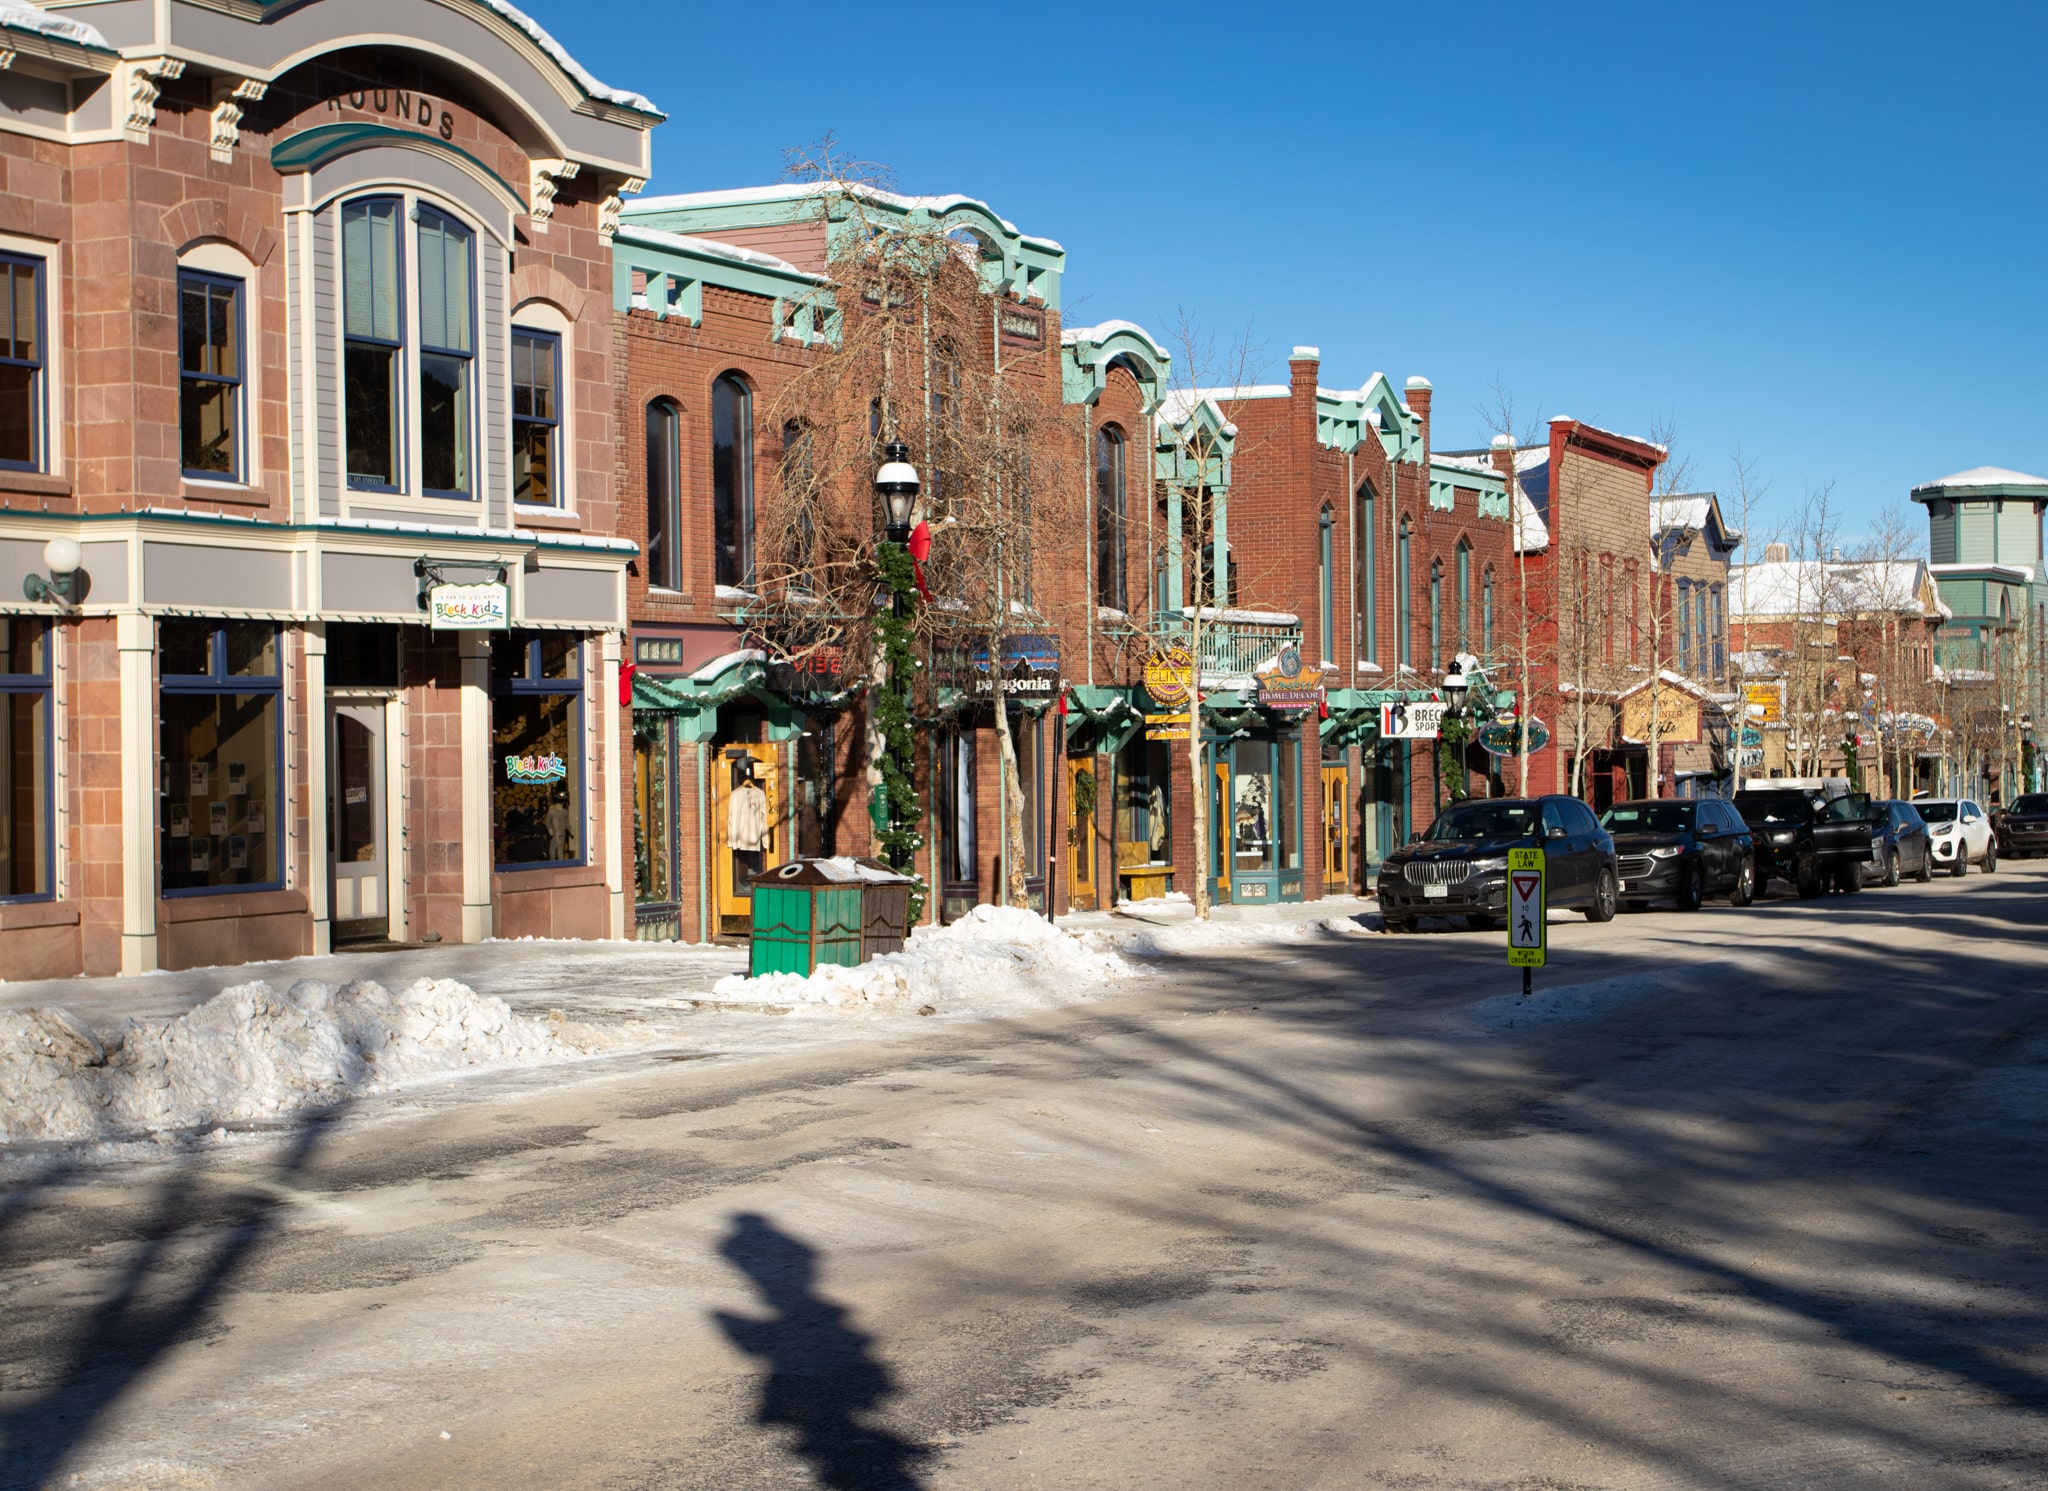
(1959, 831)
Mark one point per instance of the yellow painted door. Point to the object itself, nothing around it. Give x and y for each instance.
(1336, 830)
(1081, 790)
(747, 827)
(1220, 829)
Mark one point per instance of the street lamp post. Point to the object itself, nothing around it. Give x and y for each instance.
(896, 483)
(1457, 687)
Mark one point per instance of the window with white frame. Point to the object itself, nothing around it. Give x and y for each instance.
(23, 364)
(403, 435)
(210, 376)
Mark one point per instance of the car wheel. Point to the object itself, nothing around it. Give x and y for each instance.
(1849, 879)
(1400, 924)
(1891, 867)
(1745, 885)
(1806, 876)
(1601, 908)
(1962, 865)
(1692, 888)
(1482, 921)
(1926, 865)
(1991, 859)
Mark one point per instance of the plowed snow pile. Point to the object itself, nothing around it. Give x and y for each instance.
(994, 960)
(252, 1053)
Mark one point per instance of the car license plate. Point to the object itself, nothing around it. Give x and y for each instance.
(1436, 893)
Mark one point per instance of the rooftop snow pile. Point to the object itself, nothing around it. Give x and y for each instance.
(253, 1053)
(18, 15)
(996, 959)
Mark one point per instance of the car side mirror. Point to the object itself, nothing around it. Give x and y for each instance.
(1557, 831)
(1415, 838)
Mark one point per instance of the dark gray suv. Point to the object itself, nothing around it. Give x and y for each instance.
(1460, 866)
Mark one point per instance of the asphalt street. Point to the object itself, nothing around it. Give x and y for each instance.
(1760, 1205)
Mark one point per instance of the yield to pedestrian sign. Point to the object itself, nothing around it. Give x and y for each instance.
(1525, 908)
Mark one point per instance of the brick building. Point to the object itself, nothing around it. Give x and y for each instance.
(304, 319)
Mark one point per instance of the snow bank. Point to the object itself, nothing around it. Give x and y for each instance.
(995, 960)
(1561, 1004)
(1199, 938)
(252, 1053)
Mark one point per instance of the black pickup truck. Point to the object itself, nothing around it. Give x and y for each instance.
(1811, 842)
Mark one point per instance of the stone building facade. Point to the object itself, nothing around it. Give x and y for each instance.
(305, 320)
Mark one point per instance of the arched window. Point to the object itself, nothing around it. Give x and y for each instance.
(1326, 570)
(1368, 623)
(1406, 638)
(732, 480)
(1464, 615)
(664, 496)
(1486, 613)
(1436, 615)
(1109, 518)
(800, 535)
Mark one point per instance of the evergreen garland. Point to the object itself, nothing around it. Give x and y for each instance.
(1453, 736)
(901, 810)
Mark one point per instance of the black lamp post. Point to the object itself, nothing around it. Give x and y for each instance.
(896, 484)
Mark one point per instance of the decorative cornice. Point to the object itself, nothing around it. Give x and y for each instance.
(145, 79)
(230, 96)
(548, 176)
(614, 203)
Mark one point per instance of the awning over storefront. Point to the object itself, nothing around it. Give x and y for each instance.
(1105, 716)
(694, 699)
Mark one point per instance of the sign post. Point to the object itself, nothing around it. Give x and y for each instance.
(1527, 941)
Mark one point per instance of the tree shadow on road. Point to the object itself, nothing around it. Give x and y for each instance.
(823, 1383)
(191, 1246)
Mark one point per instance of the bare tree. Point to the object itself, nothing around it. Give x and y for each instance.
(1668, 544)
(1530, 621)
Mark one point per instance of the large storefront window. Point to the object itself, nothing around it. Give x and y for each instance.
(1144, 801)
(653, 813)
(220, 754)
(25, 828)
(537, 749)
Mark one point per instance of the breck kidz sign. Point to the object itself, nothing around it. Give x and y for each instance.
(469, 608)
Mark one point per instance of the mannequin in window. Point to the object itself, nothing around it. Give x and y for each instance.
(746, 823)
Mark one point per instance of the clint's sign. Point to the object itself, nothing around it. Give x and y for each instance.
(469, 608)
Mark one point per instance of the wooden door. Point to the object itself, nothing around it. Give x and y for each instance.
(1081, 845)
(747, 828)
(1336, 830)
(356, 838)
(1220, 829)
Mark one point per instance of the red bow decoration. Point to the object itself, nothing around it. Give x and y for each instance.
(626, 672)
(920, 547)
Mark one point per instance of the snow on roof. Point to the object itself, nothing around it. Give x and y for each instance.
(2021, 572)
(1985, 476)
(1806, 587)
(624, 98)
(726, 660)
(17, 15)
(796, 191)
(714, 248)
(1688, 510)
(1479, 464)
(1180, 403)
(1102, 331)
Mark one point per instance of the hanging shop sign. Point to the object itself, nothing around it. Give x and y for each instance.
(1504, 737)
(1420, 719)
(1170, 676)
(547, 768)
(469, 608)
(1764, 701)
(819, 671)
(1167, 726)
(1030, 667)
(1290, 685)
(1751, 736)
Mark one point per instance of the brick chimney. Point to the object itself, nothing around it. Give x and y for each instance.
(1504, 458)
(1303, 363)
(1419, 391)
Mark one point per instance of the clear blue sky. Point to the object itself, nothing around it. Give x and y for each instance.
(1814, 231)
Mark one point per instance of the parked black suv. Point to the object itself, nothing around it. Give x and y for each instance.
(2022, 829)
(1460, 867)
(1812, 842)
(1683, 850)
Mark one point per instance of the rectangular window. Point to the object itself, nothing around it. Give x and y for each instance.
(22, 341)
(210, 376)
(373, 341)
(537, 749)
(1144, 804)
(1684, 627)
(653, 813)
(1326, 589)
(447, 348)
(536, 416)
(220, 728)
(26, 829)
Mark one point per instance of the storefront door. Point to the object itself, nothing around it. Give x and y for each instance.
(746, 829)
(1256, 853)
(1081, 846)
(361, 904)
(1336, 829)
